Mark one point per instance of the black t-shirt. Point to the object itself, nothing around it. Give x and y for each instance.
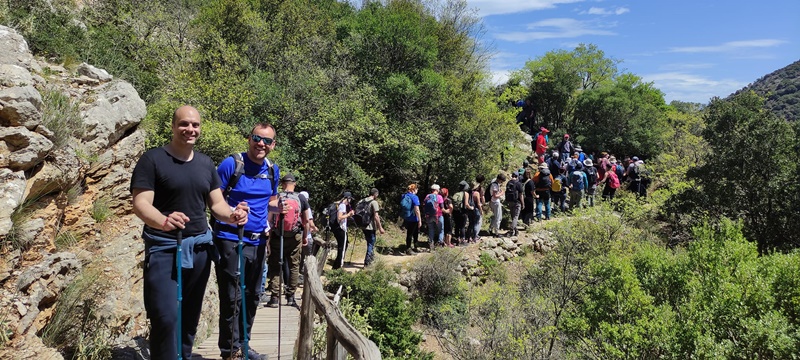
(530, 188)
(177, 186)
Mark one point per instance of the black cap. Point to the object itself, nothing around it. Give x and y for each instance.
(347, 195)
(288, 178)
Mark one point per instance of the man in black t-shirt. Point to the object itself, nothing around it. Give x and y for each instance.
(515, 203)
(171, 186)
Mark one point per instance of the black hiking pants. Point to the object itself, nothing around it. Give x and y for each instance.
(230, 300)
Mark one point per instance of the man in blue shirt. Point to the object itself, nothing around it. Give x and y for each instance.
(258, 187)
(411, 218)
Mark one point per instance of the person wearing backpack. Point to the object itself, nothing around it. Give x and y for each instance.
(434, 217)
(248, 177)
(476, 216)
(611, 183)
(543, 181)
(292, 225)
(515, 199)
(496, 204)
(591, 180)
(577, 187)
(447, 217)
(558, 190)
(371, 223)
(412, 220)
(343, 212)
(541, 144)
(463, 206)
(529, 189)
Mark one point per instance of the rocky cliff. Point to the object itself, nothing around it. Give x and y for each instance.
(70, 248)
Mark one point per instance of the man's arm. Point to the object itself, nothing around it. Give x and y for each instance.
(144, 209)
(220, 209)
(377, 219)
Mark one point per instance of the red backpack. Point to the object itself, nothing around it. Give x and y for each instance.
(291, 220)
(613, 180)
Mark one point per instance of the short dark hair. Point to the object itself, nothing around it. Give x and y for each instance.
(501, 176)
(373, 192)
(480, 178)
(262, 124)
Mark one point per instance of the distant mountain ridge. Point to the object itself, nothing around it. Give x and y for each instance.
(781, 88)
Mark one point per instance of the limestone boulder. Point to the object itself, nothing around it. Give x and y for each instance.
(94, 73)
(111, 173)
(117, 108)
(15, 75)
(39, 285)
(54, 176)
(12, 187)
(15, 50)
(20, 106)
(22, 149)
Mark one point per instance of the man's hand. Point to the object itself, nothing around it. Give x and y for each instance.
(237, 217)
(382, 231)
(175, 220)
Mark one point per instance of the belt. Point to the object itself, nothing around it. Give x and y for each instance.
(247, 234)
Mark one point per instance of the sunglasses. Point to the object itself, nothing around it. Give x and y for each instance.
(258, 139)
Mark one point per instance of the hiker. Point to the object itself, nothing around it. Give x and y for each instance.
(611, 182)
(339, 227)
(373, 225)
(412, 220)
(515, 198)
(602, 164)
(577, 187)
(543, 183)
(434, 217)
(171, 186)
(257, 185)
(496, 204)
(464, 206)
(565, 148)
(636, 173)
(447, 217)
(541, 144)
(617, 168)
(555, 162)
(291, 228)
(476, 219)
(591, 180)
(529, 189)
(558, 190)
(579, 151)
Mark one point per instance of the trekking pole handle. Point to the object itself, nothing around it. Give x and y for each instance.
(240, 229)
(179, 237)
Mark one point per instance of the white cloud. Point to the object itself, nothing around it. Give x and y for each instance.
(693, 88)
(556, 28)
(729, 46)
(499, 76)
(603, 11)
(685, 66)
(497, 7)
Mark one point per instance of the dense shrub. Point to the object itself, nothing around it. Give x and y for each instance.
(440, 288)
(391, 314)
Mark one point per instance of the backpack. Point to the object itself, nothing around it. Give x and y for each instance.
(512, 193)
(556, 186)
(407, 205)
(363, 215)
(576, 180)
(458, 200)
(330, 215)
(291, 220)
(613, 181)
(487, 194)
(545, 181)
(591, 175)
(431, 204)
(639, 171)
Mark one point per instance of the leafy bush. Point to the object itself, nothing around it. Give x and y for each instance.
(391, 314)
(440, 288)
(354, 314)
(62, 116)
(491, 268)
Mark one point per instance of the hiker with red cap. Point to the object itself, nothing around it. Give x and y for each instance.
(541, 144)
(565, 148)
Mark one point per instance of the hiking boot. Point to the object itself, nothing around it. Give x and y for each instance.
(253, 355)
(273, 302)
(290, 301)
(411, 252)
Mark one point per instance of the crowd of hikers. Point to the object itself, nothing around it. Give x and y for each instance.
(261, 227)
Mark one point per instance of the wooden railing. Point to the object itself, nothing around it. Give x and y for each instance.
(341, 335)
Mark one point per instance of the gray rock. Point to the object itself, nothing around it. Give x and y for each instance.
(25, 148)
(490, 243)
(117, 109)
(114, 168)
(21, 106)
(94, 73)
(29, 229)
(508, 244)
(15, 49)
(40, 284)
(12, 187)
(14, 75)
(85, 80)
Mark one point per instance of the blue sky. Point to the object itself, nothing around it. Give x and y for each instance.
(691, 50)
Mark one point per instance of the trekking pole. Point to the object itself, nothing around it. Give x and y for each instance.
(280, 280)
(179, 277)
(243, 336)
